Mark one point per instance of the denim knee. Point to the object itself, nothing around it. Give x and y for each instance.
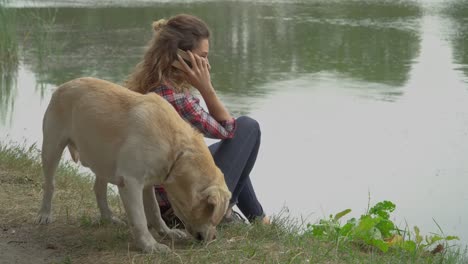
(245, 122)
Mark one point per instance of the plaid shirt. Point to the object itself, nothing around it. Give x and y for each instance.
(188, 107)
(190, 110)
(161, 197)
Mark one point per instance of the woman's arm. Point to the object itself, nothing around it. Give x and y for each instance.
(215, 106)
(190, 110)
(199, 77)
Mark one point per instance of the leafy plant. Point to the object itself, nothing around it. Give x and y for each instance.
(374, 228)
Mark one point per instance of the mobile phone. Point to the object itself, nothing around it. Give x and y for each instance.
(185, 57)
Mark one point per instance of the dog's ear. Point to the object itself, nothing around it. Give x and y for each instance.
(218, 200)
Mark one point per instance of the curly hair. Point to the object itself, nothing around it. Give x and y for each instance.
(179, 32)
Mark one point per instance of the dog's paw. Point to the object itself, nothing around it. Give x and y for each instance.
(177, 234)
(43, 219)
(116, 221)
(155, 247)
(148, 244)
(112, 220)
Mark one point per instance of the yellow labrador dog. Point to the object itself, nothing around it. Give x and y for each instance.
(134, 141)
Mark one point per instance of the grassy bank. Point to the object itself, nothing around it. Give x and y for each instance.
(75, 236)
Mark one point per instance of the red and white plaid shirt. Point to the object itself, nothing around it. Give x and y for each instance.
(188, 107)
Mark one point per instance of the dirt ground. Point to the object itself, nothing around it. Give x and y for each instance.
(75, 235)
(68, 239)
(17, 246)
(20, 239)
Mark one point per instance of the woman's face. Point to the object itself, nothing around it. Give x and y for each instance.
(202, 49)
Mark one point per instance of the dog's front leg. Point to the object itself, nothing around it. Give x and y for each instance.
(131, 194)
(153, 215)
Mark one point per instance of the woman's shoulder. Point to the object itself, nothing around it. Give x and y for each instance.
(168, 88)
(162, 88)
(172, 95)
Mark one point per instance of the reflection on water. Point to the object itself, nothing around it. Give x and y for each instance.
(8, 63)
(353, 96)
(252, 43)
(8, 74)
(458, 12)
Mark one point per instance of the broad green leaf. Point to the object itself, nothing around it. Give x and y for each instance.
(380, 244)
(386, 227)
(448, 238)
(366, 223)
(435, 239)
(317, 232)
(409, 246)
(341, 214)
(383, 209)
(347, 228)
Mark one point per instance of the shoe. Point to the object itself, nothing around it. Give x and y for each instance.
(233, 218)
(172, 221)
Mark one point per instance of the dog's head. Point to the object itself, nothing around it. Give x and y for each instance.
(198, 193)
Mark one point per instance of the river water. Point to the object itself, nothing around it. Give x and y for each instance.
(356, 99)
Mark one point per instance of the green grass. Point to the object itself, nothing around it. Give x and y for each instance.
(76, 236)
(375, 229)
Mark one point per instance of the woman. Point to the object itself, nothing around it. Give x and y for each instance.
(164, 72)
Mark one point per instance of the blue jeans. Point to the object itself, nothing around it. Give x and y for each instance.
(236, 157)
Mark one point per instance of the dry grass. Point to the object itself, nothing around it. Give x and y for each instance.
(76, 237)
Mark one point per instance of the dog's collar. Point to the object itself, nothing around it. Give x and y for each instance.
(172, 166)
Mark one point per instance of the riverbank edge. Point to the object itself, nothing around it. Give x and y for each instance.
(77, 237)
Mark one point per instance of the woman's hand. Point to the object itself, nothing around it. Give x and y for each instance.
(199, 75)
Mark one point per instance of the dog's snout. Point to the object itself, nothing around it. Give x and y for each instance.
(199, 236)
